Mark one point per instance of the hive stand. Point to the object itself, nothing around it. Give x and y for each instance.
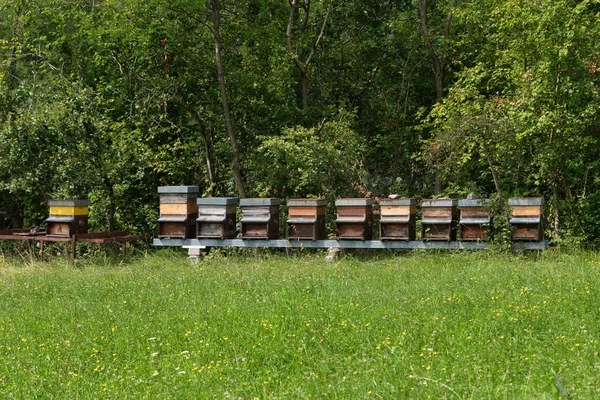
(354, 218)
(260, 218)
(216, 217)
(439, 219)
(526, 218)
(306, 219)
(178, 211)
(475, 219)
(397, 219)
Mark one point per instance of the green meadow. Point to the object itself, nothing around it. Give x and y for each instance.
(456, 325)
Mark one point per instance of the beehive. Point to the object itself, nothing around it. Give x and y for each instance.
(178, 212)
(354, 218)
(306, 219)
(526, 218)
(260, 218)
(439, 219)
(67, 217)
(475, 219)
(216, 217)
(397, 219)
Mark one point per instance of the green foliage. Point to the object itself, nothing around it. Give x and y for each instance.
(108, 100)
(321, 161)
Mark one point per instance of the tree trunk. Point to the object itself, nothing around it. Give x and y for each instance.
(206, 138)
(304, 85)
(237, 168)
(555, 210)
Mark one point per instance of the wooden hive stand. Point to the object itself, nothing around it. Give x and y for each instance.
(178, 212)
(526, 218)
(216, 218)
(354, 218)
(306, 219)
(260, 218)
(67, 217)
(397, 219)
(439, 219)
(475, 219)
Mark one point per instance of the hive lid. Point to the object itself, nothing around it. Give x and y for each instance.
(178, 189)
(396, 219)
(216, 201)
(350, 220)
(259, 202)
(173, 219)
(440, 220)
(69, 203)
(398, 202)
(211, 218)
(354, 202)
(311, 220)
(263, 219)
(63, 219)
(439, 203)
(526, 201)
(306, 202)
(473, 203)
(481, 220)
(525, 220)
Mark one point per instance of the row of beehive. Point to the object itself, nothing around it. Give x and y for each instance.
(183, 215)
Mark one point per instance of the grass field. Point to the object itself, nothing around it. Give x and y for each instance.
(422, 325)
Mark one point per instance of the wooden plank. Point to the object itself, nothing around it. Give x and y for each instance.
(68, 210)
(178, 209)
(524, 232)
(347, 211)
(61, 229)
(177, 198)
(437, 212)
(307, 211)
(473, 232)
(526, 211)
(474, 212)
(398, 210)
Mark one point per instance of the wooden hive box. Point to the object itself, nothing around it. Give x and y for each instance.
(526, 218)
(397, 219)
(260, 218)
(67, 217)
(216, 217)
(178, 212)
(475, 219)
(439, 219)
(306, 219)
(354, 218)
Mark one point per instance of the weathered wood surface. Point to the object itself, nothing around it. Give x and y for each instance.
(178, 209)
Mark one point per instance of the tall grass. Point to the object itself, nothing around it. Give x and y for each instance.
(423, 325)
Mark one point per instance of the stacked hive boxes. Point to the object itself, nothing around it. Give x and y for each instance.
(439, 219)
(260, 218)
(474, 220)
(67, 217)
(354, 218)
(178, 212)
(216, 217)
(526, 218)
(306, 219)
(397, 219)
